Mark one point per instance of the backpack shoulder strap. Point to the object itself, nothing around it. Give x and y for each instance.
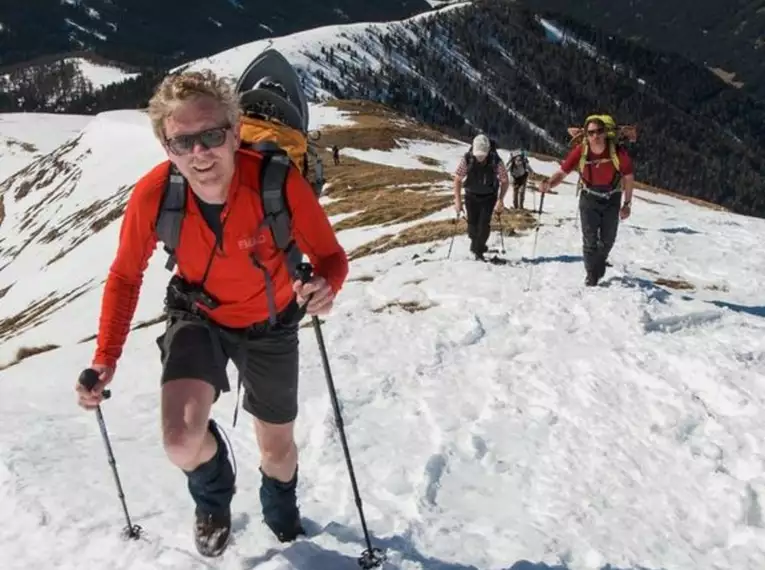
(276, 165)
(171, 211)
(613, 149)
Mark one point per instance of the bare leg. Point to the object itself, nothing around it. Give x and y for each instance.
(277, 449)
(186, 405)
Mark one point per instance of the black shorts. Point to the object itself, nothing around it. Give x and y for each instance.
(267, 359)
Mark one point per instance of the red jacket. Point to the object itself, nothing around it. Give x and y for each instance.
(233, 280)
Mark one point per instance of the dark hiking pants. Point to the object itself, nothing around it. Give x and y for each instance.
(479, 208)
(600, 222)
(519, 191)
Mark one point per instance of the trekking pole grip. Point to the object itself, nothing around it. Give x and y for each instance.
(89, 378)
(304, 272)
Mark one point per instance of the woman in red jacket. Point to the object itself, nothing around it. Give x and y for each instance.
(606, 171)
(226, 252)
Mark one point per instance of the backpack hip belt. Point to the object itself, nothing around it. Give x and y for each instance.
(601, 193)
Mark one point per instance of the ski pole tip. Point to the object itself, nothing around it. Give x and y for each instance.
(133, 532)
(372, 558)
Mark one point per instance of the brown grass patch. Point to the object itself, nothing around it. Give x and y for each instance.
(2, 209)
(118, 202)
(425, 232)
(727, 77)
(43, 172)
(66, 250)
(649, 201)
(394, 207)
(112, 215)
(428, 161)
(679, 284)
(138, 325)
(376, 126)
(25, 146)
(353, 175)
(26, 351)
(715, 287)
(4, 290)
(362, 279)
(408, 306)
(36, 313)
(150, 322)
(378, 245)
(375, 193)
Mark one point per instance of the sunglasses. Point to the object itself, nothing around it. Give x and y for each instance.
(593, 132)
(211, 138)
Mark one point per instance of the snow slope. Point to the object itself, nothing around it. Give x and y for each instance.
(27, 136)
(562, 427)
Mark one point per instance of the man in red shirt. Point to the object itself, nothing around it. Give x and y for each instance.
(232, 298)
(606, 172)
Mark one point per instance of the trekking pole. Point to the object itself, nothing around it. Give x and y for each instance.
(451, 243)
(88, 379)
(501, 234)
(536, 236)
(371, 557)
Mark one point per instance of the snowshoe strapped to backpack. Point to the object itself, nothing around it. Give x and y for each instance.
(274, 123)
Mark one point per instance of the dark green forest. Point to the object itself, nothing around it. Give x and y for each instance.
(149, 33)
(727, 34)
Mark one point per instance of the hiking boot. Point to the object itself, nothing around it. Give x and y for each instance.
(212, 532)
(600, 270)
(279, 504)
(591, 280)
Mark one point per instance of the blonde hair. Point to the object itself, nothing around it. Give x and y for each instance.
(178, 88)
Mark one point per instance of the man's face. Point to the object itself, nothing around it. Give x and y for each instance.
(480, 156)
(202, 144)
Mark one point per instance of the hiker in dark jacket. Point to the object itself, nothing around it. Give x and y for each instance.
(519, 168)
(606, 172)
(485, 179)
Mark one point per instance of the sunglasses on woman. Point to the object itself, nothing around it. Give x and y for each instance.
(593, 132)
(210, 138)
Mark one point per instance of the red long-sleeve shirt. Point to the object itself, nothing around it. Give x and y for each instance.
(233, 279)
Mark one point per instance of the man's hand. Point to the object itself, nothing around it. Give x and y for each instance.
(89, 399)
(625, 212)
(544, 186)
(458, 206)
(499, 208)
(321, 294)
